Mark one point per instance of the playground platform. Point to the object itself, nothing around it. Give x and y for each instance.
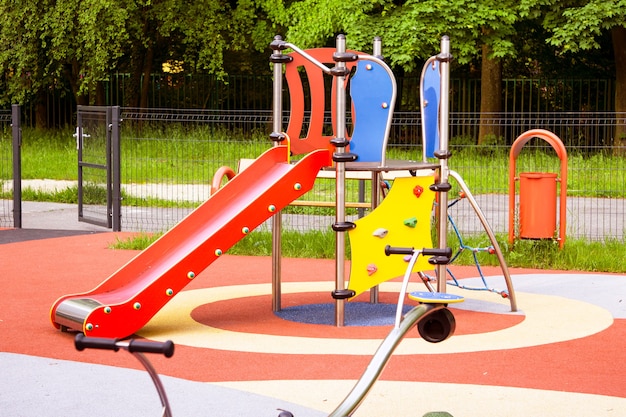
(560, 355)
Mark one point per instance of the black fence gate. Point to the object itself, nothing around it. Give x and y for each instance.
(11, 167)
(97, 140)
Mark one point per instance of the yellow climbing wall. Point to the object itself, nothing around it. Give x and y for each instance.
(402, 219)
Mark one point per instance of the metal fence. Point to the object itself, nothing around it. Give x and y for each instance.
(170, 156)
(254, 93)
(6, 170)
(168, 159)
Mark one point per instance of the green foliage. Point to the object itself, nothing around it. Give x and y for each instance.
(139, 241)
(578, 26)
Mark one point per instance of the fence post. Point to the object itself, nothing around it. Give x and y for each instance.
(16, 128)
(116, 177)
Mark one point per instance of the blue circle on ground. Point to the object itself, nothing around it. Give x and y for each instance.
(355, 314)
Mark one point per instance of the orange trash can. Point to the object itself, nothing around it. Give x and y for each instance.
(537, 205)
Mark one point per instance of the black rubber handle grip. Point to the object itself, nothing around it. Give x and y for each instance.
(148, 346)
(82, 342)
(437, 252)
(396, 250)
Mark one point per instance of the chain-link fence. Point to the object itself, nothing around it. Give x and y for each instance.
(169, 158)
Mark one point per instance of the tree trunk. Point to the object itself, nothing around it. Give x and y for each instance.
(490, 96)
(147, 71)
(618, 34)
(132, 93)
(41, 111)
(101, 98)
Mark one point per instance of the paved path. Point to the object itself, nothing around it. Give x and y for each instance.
(592, 218)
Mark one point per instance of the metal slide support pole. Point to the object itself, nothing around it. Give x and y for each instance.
(444, 66)
(16, 129)
(492, 238)
(376, 175)
(277, 128)
(340, 186)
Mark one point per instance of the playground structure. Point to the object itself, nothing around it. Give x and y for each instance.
(125, 302)
(373, 93)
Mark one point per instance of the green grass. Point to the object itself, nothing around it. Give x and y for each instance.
(578, 255)
(176, 153)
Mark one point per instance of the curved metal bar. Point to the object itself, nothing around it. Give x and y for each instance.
(314, 61)
(167, 412)
(405, 284)
(492, 238)
(219, 175)
(380, 359)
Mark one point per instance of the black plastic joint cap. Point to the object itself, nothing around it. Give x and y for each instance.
(339, 71)
(442, 187)
(280, 58)
(441, 154)
(277, 136)
(278, 44)
(343, 226)
(439, 260)
(445, 57)
(342, 294)
(344, 157)
(345, 57)
(339, 142)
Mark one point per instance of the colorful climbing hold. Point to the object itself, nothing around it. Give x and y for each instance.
(418, 190)
(407, 258)
(371, 269)
(412, 222)
(380, 232)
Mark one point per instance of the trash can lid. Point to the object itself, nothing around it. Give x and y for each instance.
(537, 175)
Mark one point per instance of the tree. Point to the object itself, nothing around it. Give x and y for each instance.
(576, 26)
(82, 41)
(85, 40)
(411, 32)
(25, 69)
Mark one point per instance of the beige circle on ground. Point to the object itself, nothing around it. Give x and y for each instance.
(548, 319)
(404, 398)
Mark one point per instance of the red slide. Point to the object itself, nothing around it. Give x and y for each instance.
(127, 300)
